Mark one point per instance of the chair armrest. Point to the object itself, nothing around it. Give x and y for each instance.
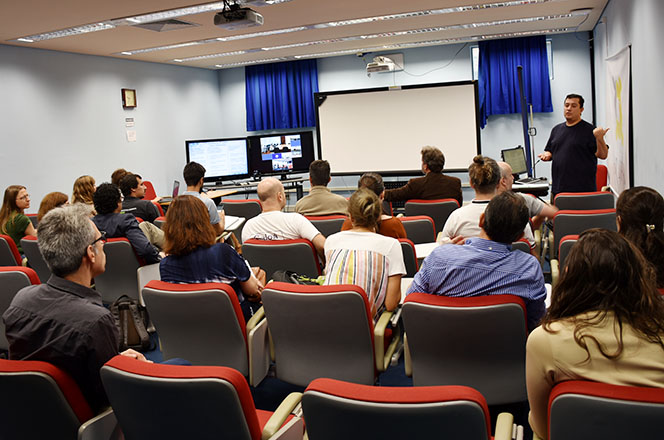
(258, 348)
(281, 414)
(384, 356)
(555, 272)
(254, 320)
(504, 426)
(103, 425)
(407, 362)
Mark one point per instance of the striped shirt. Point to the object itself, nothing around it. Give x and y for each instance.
(365, 259)
(483, 267)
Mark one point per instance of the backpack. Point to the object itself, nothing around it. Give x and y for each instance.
(131, 319)
(287, 276)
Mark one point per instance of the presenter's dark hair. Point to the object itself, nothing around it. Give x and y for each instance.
(505, 217)
(319, 172)
(484, 174)
(129, 182)
(640, 212)
(434, 158)
(193, 173)
(106, 198)
(575, 96)
(605, 275)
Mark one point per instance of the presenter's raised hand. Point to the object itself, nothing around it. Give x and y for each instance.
(599, 132)
(546, 156)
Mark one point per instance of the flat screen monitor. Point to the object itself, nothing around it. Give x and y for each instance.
(223, 159)
(516, 158)
(281, 153)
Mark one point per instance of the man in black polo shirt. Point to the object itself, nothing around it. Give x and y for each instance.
(574, 147)
(63, 321)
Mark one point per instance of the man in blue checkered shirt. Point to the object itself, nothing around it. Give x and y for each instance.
(486, 265)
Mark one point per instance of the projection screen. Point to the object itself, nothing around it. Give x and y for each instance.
(383, 130)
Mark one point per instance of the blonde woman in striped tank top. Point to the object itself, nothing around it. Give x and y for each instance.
(362, 257)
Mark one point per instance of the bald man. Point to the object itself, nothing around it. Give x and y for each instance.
(537, 209)
(273, 224)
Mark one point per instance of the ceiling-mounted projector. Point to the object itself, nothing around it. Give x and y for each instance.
(236, 17)
(386, 63)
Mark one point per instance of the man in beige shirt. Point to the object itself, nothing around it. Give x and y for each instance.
(321, 201)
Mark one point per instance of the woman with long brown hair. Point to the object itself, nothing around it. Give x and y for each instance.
(605, 323)
(50, 201)
(84, 189)
(194, 257)
(640, 217)
(13, 220)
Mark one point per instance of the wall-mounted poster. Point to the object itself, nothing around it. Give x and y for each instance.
(617, 117)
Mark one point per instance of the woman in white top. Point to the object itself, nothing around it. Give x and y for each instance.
(362, 257)
(464, 222)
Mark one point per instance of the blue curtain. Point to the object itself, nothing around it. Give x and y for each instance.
(281, 95)
(498, 80)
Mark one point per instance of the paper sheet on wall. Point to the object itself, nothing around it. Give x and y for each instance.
(131, 135)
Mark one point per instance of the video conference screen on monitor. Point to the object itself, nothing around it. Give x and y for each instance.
(223, 159)
(281, 153)
(516, 158)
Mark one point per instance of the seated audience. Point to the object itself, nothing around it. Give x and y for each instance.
(193, 176)
(117, 176)
(194, 257)
(537, 209)
(463, 223)
(133, 191)
(605, 323)
(273, 224)
(362, 257)
(387, 225)
(485, 265)
(108, 204)
(84, 188)
(640, 217)
(434, 185)
(13, 221)
(50, 201)
(64, 321)
(320, 200)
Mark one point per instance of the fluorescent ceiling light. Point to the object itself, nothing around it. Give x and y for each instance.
(388, 34)
(330, 24)
(397, 46)
(138, 19)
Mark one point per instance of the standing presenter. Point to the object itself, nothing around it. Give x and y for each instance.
(574, 147)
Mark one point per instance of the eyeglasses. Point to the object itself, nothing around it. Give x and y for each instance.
(101, 238)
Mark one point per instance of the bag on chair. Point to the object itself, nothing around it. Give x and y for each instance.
(287, 276)
(132, 320)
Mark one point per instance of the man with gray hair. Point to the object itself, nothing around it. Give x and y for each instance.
(64, 322)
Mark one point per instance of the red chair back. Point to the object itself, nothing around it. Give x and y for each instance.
(439, 210)
(601, 176)
(9, 255)
(150, 193)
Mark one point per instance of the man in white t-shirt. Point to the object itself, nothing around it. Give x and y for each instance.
(537, 209)
(273, 224)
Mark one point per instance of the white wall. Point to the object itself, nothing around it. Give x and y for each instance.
(62, 117)
(639, 24)
(571, 58)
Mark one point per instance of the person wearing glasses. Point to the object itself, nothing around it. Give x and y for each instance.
(13, 221)
(63, 321)
(108, 204)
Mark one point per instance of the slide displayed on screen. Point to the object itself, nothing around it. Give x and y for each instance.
(281, 150)
(221, 158)
(281, 153)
